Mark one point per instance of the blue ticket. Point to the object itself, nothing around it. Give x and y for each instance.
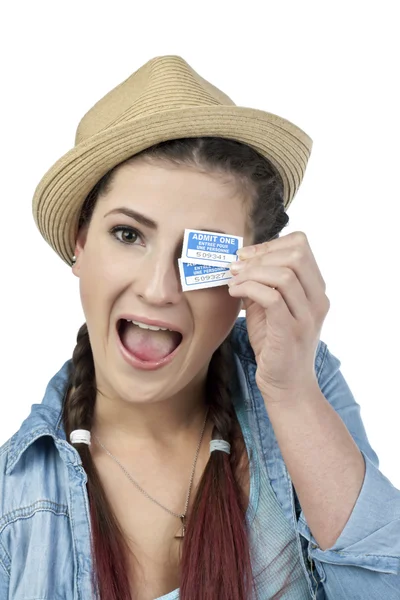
(197, 277)
(210, 248)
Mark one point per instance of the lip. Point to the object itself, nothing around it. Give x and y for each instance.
(147, 321)
(136, 362)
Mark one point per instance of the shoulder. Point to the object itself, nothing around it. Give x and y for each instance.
(32, 480)
(34, 461)
(35, 522)
(4, 449)
(4, 488)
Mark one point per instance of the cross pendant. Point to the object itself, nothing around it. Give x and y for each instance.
(181, 534)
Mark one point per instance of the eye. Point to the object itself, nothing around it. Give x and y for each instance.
(129, 231)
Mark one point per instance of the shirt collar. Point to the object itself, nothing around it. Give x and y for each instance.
(44, 418)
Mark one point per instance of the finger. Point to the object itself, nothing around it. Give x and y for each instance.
(281, 278)
(271, 300)
(286, 241)
(298, 258)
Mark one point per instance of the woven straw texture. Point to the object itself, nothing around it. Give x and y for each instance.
(163, 100)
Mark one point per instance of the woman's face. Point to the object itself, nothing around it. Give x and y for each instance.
(128, 267)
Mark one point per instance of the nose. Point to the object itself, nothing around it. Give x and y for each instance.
(157, 281)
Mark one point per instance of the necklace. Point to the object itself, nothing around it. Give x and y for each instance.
(181, 516)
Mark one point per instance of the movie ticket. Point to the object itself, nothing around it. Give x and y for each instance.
(197, 277)
(210, 248)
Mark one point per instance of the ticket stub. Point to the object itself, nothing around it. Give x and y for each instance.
(197, 277)
(210, 248)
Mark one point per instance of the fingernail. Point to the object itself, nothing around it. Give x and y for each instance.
(246, 252)
(236, 266)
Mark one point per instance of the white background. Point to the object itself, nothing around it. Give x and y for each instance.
(331, 68)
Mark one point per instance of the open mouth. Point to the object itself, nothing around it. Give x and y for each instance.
(148, 343)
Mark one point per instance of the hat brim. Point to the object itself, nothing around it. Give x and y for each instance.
(61, 192)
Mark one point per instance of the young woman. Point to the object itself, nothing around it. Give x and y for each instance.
(183, 451)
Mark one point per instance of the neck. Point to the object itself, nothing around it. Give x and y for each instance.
(163, 421)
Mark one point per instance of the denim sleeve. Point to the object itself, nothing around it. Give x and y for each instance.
(4, 579)
(364, 562)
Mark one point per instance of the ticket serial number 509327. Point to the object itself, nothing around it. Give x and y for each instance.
(208, 277)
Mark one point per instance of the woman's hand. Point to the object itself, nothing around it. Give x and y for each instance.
(284, 296)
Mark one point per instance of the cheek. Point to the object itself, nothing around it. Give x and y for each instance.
(96, 287)
(90, 295)
(215, 312)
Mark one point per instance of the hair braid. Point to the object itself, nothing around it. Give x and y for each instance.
(222, 411)
(220, 548)
(109, 548)
(83, 393)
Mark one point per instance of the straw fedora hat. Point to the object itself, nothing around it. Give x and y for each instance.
(163, 100)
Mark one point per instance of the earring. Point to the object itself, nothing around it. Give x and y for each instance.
(73, 260)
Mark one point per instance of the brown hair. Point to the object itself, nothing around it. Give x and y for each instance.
(216, 537)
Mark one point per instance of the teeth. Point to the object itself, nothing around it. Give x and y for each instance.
(144, 326)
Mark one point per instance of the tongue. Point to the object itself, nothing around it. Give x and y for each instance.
(149, 345)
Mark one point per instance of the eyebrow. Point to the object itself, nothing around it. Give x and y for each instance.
(147, 222)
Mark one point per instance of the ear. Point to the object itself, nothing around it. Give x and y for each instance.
(79, 248)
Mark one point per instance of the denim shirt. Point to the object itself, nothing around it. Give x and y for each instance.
(45, 527)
